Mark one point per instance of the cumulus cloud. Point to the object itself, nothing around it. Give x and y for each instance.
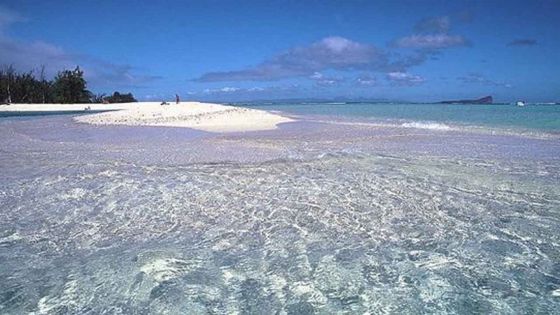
(436, 41)
(405, 79)
(335, 53)
(523, 42)
(481, 79)
(226, 89)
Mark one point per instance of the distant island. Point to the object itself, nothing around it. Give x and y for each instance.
(484, 100)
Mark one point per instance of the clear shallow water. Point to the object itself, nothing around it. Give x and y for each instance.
(531, 117)
(312, 218)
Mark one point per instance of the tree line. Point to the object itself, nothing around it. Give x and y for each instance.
(68, 87)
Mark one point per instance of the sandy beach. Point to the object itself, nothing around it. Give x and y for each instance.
(201, 116)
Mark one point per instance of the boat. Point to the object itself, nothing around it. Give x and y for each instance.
(520, 103)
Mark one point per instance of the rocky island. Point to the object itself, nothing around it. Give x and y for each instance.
(483, 100)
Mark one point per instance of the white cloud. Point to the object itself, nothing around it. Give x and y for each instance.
(316, 76)
(335, 53)
(366, 81)
(256, 89)
(229, 89)
(403, 78)
(225, 89)
(239, 90)
(322, 80)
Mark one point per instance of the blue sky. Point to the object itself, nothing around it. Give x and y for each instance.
(250, 50)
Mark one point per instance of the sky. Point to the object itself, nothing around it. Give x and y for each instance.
(268, 50)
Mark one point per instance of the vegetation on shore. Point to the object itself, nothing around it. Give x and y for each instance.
(67, 87)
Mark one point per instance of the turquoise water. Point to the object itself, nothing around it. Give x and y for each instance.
(531, 117)
(544, 118)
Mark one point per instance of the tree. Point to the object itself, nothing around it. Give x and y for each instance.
(70, 87)
(97, 98)
(24, 88)
(45, 88)
(120, 98)
(7, 76)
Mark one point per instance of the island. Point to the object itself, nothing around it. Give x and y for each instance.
(483, 100)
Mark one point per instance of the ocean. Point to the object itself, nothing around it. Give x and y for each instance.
(354, 208)
(533, 117)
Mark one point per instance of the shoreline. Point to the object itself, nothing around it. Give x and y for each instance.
(208, 117)
(218, 118)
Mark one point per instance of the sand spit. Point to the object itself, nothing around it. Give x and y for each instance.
(201, 116)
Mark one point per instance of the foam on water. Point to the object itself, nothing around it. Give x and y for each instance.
(426, 125)
(542, 118)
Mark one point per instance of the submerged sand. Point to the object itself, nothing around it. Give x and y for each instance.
(201, 116)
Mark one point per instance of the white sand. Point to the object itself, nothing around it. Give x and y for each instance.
(201, 116)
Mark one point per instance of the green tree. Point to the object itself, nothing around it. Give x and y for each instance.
(70, 87)
(23, 87)
(45, 88)
(7, 80)
(120, 98)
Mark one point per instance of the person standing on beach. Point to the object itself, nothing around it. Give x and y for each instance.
(177, 100)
